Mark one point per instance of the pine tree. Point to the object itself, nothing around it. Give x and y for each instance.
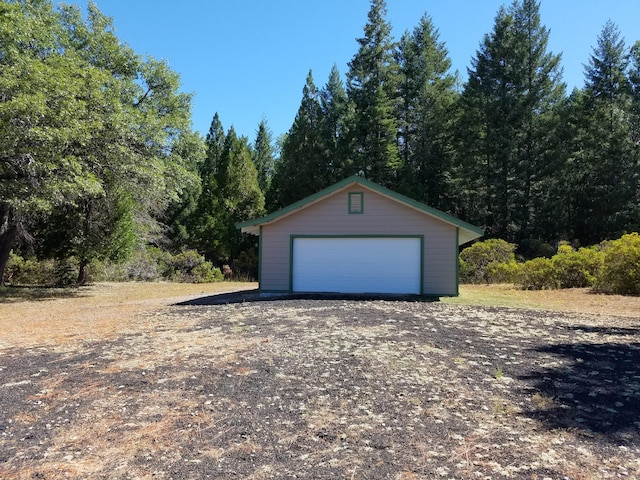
(542, 92)
(508, 105)
(634, 79)
(240, 198)
(302, 169)
(335, 127)
(426, 114)
(214, 143)
(603, 191)
(205, 221)
(263, 156)
(372, 83)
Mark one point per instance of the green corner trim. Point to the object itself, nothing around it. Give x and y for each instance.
(260, 258)
(457, 261)
(291, 238)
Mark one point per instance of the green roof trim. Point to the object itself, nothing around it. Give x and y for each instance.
(472, 232)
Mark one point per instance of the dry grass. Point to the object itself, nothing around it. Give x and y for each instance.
(579, 300)
(97, 312)
(38, 317)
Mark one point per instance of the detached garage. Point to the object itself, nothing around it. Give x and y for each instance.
(358, 237)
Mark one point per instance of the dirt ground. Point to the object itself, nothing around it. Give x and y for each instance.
(200, 384)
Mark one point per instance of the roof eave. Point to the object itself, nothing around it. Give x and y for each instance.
(467, 232)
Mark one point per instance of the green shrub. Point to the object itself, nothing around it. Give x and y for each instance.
(479, 262)
(576, 268)
(65, 272)
(190, 266)
(206, 273)
(17, 269)
(537, 274)
(147, 264)
(28, 271)
(48, 272)
(620, 272)
(503, 272)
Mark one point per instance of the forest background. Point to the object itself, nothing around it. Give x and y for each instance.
(103, 176)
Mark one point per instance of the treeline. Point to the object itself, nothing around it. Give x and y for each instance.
(508, 150)
(99, 159)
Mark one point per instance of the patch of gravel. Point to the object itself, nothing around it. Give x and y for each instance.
(339, 388)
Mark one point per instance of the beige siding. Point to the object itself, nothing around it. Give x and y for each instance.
(382, 216)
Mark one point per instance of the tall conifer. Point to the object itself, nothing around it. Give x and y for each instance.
(426, 113)
(302, 169)
(335, 126)
(372, 83)
(602, 186)
(514, 85)
(263, 156)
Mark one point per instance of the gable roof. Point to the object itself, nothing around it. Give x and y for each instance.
(467, 231)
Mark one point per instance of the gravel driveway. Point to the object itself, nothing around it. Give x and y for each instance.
(330, 389)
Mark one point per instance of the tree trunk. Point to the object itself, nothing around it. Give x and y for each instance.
(8, 235)
(82, 273)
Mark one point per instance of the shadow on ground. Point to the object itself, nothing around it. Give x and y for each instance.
(595, 388)
(19, 293)
(251, 296)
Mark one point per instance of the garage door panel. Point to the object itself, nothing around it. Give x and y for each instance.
(357, 265)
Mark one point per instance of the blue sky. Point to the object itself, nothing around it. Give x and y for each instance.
(248, 59)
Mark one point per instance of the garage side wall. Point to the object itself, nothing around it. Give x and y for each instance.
(380, 216)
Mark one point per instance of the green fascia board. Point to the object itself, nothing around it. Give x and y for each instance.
(474, 231)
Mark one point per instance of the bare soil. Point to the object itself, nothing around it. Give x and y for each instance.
(200, 384)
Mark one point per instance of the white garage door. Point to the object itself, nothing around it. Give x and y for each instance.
(357, 265)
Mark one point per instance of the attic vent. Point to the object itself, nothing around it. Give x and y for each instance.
(356, 202)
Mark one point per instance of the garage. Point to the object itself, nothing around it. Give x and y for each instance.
(357, 264)
(358, 237)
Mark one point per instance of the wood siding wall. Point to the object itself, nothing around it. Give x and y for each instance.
(381, 216)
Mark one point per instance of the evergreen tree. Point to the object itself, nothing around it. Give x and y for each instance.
(606, 72)
(205, 222)
(263, 156)
(302, 169)
(426, 114)
(508, 104)
(542, 92)
(240, 198)
(335, 127)
(92, 228)
(372, 83)
(603, 170)
(634, 78)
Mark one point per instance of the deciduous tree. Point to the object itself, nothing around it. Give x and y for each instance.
(81, 116)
